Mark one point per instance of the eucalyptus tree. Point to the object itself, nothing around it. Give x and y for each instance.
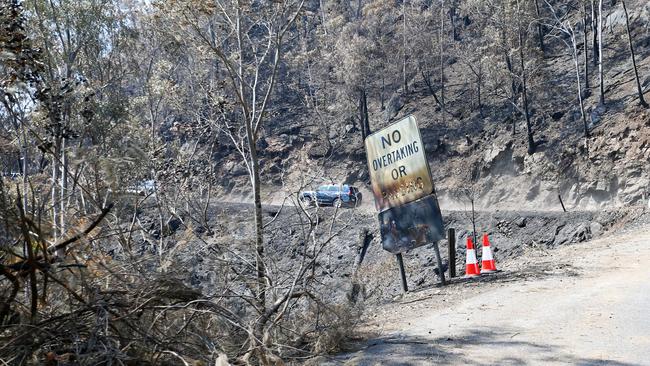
(522, 37)
(601, 83)
(20, 70)
(359, 63)
(642, 100)
(83, 105)
(563, 28)
(473, 56)
(512, 62)
(245, 43)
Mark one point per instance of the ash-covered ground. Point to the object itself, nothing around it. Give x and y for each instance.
(337, 241)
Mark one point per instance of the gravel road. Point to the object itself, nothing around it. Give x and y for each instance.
(583, 304)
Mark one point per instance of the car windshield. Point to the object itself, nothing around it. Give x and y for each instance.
(322, 188)
(332, 188)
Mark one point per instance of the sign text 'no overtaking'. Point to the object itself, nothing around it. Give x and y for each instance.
(398, 167)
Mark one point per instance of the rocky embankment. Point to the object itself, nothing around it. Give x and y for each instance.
(342, 268)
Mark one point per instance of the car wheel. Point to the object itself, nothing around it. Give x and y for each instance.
(306, 201)
(336, 203)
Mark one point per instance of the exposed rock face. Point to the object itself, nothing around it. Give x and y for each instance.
(319, 149)
(279, 144)
(521, 222)
(612, 170)
(615, 19)
(572, 234)
(355, 257)
(619, 166)
(498, 160)
(395, 104)
(596, 229)
(235, 168)
(608, 169)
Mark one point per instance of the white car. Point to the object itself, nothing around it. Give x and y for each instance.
(143, 188)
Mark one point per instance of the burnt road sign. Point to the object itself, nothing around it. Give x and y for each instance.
(409, 214)
(411, 225)
(399, 171)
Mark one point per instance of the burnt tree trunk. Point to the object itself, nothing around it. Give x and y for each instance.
(594, 32)
(540, 32)
(600, 51)
(529, 131)
(322, 15)
(64, 186)
(513, 87)
(636, 72)
(404, 76)
(582, 107)
(442, 63)
(586, 48)
(363, 114)
(55, 182)
(452, 18)
(383, 91)
(478, 95)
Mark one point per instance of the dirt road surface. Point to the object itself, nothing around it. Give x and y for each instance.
(584, 304)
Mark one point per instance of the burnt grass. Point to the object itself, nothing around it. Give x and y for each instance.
(342, 273)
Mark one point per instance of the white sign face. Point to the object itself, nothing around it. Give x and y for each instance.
(398, 166)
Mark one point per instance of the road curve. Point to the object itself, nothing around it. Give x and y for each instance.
(597, 314)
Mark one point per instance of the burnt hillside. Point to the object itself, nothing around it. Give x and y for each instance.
(479, 143)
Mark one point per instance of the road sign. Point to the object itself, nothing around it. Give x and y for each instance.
(411, 225)
(399, 171)
(409, 215)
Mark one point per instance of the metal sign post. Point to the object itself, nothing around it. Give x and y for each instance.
(402, 272)
(441, 273)
(409, 215)
(451, 237)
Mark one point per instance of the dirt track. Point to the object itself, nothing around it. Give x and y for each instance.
(583, 304)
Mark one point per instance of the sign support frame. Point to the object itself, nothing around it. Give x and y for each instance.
(402, 272)
(441, 273)
(405, 228)
(451, 238)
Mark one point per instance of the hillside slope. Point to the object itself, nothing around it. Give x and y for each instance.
(563, 313)
(482, 154)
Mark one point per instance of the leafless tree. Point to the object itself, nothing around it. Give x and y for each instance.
(632, 58)
(522, 33)
(600, 52)
(594, 32)
(540, 31)
(468, 192)
(251, 63)
(585, 48)
(441, 42)
(562, 27)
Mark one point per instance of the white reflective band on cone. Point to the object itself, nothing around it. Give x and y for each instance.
(487, 254)
(471, 256)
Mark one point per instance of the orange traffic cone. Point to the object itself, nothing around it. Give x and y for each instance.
(471, 264)
(488, 264)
